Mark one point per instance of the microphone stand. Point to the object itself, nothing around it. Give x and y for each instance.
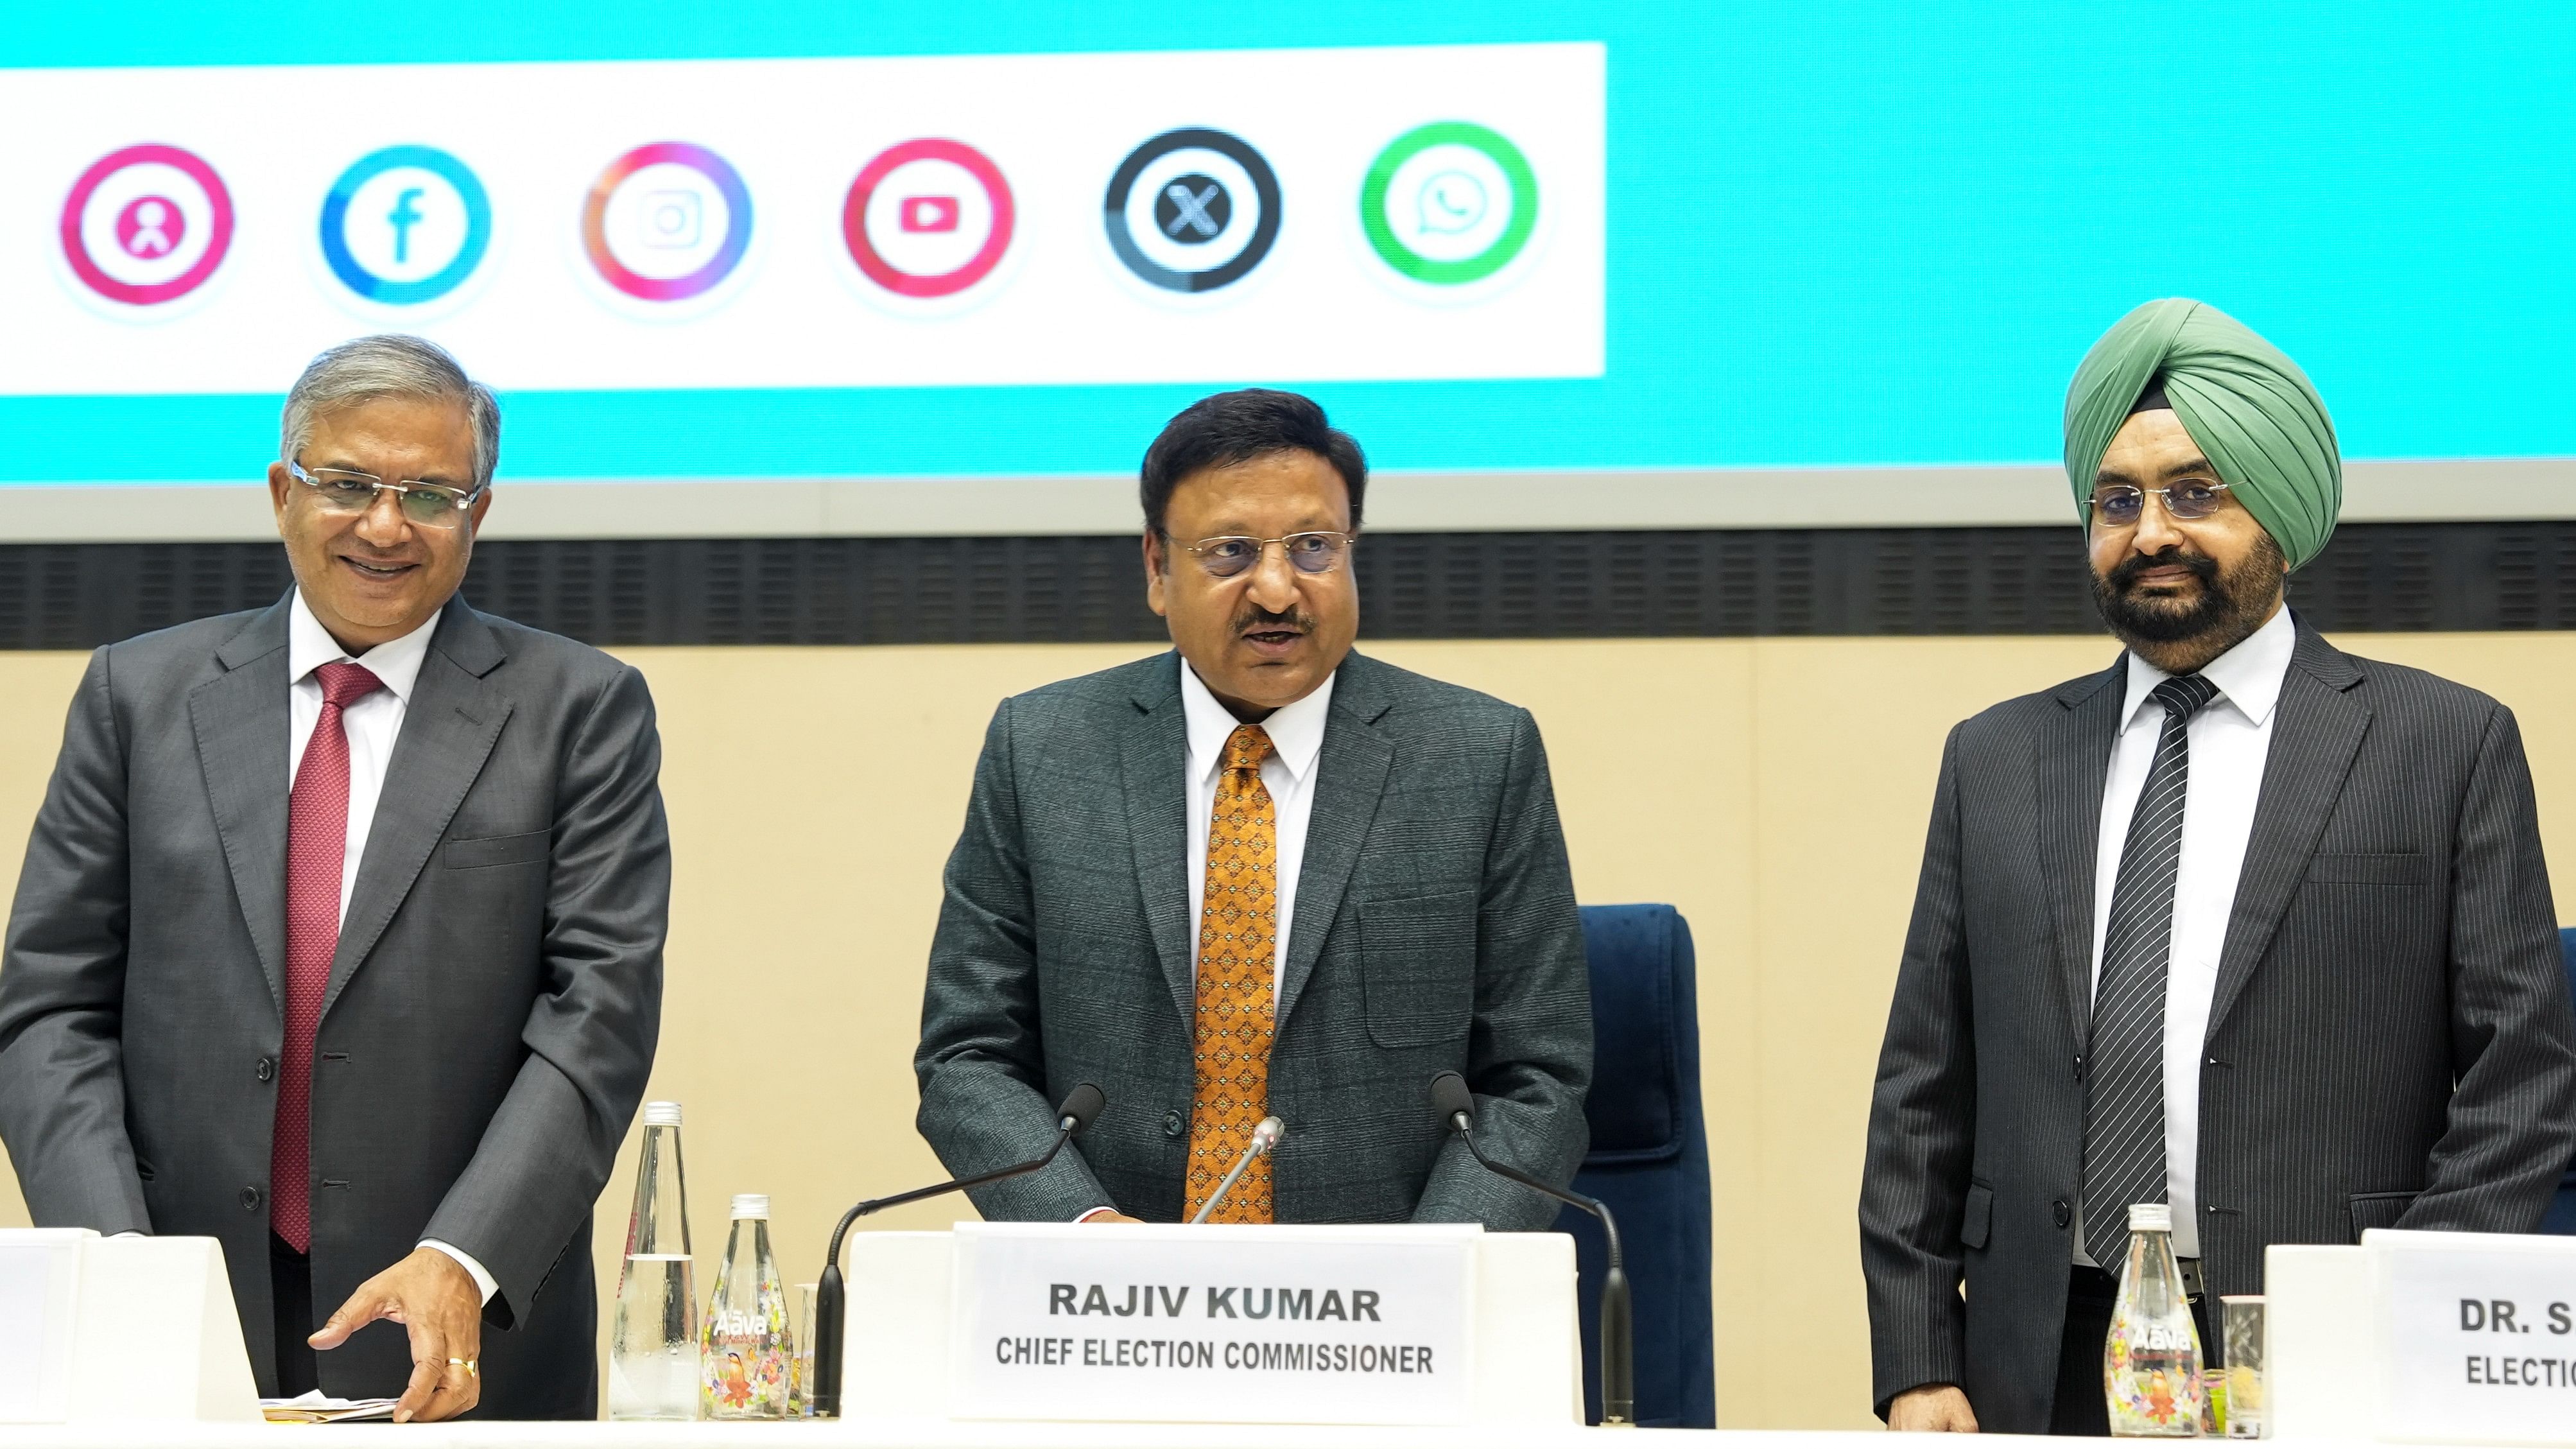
(823, 1395)
(1618, 1345)
(1265, 1135)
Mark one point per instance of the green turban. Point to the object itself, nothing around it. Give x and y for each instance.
(2253, 413)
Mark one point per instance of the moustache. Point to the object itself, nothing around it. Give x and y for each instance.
(1255, 618)
(2124, 575)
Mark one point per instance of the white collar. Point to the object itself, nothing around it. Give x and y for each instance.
(1296, 730)
(395, 663)
(2248, 676)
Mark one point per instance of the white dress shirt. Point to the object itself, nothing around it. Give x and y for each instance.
(1297, 742)
(372, 722)
(2230, 738)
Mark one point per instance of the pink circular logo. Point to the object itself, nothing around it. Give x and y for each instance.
(147, 224)
(928, 218)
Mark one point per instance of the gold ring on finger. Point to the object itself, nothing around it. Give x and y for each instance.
(466, 1364)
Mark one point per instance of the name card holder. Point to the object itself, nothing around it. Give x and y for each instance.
(99, 1330)
(1428, 1325)
(2475, 1336)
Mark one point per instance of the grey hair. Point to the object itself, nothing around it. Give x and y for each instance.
(390, 365)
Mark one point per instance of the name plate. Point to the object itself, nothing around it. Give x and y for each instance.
(2477, 1336)
(1210, 1324)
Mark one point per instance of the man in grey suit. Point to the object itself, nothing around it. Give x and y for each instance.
(339, 937)
(2242, 925)
(1258, 875)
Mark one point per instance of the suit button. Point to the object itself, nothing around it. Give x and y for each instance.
(250, 1199)
(266, 1069)
(1172, 1124)
(2060, 1211)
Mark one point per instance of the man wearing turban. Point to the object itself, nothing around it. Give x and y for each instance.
(2242, 927)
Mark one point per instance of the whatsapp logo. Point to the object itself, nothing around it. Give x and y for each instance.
(1449, 203)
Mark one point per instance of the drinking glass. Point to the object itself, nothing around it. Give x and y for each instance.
(2246, 1409)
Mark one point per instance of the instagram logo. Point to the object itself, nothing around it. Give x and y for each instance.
(666, 222)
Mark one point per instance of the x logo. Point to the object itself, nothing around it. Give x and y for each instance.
(1193, 209)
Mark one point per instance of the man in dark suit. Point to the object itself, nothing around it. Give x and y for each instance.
(1259, 875)
(339, 937)
(2242, 925)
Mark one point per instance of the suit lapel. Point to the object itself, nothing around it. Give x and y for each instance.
(1154, 765)
(240, 721)
(2075, 764)
(448, 731)
(2314, 738)
(1351, 772)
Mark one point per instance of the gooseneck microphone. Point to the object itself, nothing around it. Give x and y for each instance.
(1456, 1107)
(823, 1396)
(1265, 1135)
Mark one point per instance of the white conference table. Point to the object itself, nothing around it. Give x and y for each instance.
(944, 1434)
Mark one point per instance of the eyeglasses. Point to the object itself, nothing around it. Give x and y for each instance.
(1308, 553)
(2118, 505)
(343, 490)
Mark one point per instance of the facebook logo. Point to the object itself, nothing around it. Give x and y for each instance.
(402, 219)
(405, 225)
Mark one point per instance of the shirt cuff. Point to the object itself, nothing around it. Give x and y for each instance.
(482, 1279)
(1095, 1212)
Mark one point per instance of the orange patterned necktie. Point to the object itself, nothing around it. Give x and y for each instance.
(1238, 952)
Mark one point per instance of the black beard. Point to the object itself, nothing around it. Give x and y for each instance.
(2232, 604)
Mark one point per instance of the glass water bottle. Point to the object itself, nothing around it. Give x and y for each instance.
(2151, 1360)
(653, 1345)
(744, 1364)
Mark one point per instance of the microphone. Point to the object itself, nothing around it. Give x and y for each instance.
(823, 1396)
(1456, 1107)
(1265, 1135)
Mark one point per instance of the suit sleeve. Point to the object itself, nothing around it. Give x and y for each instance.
(1922, 1131)
(982, 1060)
(2512, 1125)
(1529, 1049)
(591, 1034)
(62, 988)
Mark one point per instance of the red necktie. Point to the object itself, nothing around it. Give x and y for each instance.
(317, 844)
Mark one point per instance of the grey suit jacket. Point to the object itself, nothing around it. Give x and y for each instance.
(492, 1008)
(1435, 929)
(2390, 1044)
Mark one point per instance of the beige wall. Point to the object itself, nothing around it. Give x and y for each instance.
(1775, 790)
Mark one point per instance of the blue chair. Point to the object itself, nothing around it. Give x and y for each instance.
(1649, 1162)
(2561, 1217)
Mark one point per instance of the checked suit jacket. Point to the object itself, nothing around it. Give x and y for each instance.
(2390, 1044)
(1435, 929)
(491, 1010)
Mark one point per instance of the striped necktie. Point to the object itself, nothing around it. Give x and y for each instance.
(2124, 1072)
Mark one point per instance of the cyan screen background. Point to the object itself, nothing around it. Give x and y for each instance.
(1871, 233)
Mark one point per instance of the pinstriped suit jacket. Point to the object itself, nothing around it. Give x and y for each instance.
(2390, 1045)
(1435, 928)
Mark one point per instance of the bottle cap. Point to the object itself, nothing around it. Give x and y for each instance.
(751, 1205)
(661, 1114)
(2144, 1217)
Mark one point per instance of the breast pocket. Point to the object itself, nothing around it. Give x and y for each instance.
(494, 850)
(1418, 964)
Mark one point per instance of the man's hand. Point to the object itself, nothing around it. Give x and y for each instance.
(1111, 1215)
(432, 1295)
(1932, 1409)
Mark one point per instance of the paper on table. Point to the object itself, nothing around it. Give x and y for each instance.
(320, 1408)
